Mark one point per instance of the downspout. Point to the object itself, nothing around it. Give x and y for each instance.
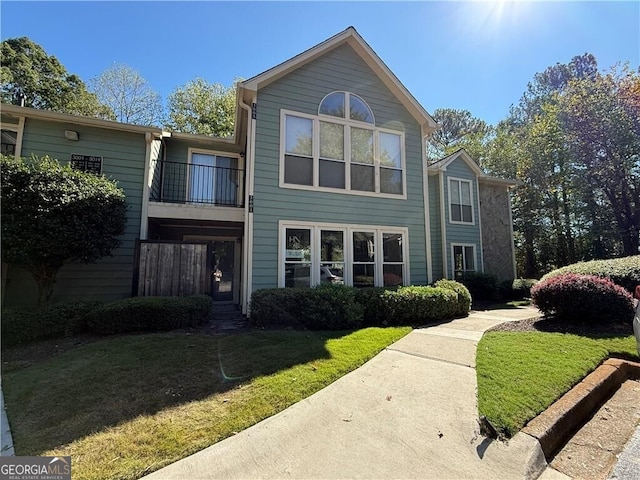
(144, 215)
(247, 244)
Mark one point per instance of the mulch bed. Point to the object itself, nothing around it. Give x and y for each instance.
(551, 324)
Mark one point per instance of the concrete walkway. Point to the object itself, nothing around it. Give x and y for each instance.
(410, 412)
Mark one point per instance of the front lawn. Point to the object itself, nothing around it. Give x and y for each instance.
(521, 373)
(123, 407)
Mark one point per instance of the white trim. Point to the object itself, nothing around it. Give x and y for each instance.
(315, 141)
(144, 216)
(247, 244)
(479, 226)
(473, 215)
(347, 108)
(14, 110)
(427, 215)
(453, 258)
(348, 229)
(195, 212)
(443, 228)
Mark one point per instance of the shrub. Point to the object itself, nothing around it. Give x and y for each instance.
(276, 307)
(621, 271)
(324, 307)
(149, 314)
(375, 311)
(464, 297)
(419, 305)
(586, 298)
(23, 325)
(482, 286)
(331, 307)
(518, 289)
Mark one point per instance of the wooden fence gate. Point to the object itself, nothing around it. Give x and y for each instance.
(172, 268)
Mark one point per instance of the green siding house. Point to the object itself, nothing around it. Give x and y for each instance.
(324, 180)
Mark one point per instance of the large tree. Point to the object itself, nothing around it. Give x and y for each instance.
(27, 72)
(457, 129)
(128, 94)
(52, 214)
(601, 118)
(202, 108)
(573, 140)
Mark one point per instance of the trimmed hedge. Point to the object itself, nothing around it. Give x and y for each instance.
(585, 298)
(337, 307)
(621, 271)
(63, 319)
(464, 296)
(151, 314)
(419, 305)
(375, 312)
(324, 307)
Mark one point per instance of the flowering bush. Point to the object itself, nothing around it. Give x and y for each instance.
(586, 298)
(621, 271)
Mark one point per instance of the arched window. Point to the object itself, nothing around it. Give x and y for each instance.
(346, 105)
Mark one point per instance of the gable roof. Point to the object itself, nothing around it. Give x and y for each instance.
(442, 164)
(352, 38)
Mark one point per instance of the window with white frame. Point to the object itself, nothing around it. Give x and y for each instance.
(213, 178)
(9, 141)
(360, 256)
(463, 259)
(460, 201)
(340, 149)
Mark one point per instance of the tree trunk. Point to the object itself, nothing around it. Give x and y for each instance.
(45, 277)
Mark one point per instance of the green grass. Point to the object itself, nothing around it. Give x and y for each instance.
(521, 373)
(123, 407)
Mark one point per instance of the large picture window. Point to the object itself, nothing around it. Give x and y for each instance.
(340, 149)
(360, 256)
(460, 201)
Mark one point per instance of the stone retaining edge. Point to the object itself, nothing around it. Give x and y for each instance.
(556, 425)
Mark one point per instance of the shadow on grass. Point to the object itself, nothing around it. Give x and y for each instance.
(101, 384)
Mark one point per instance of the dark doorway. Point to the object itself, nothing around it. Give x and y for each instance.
(223, 269)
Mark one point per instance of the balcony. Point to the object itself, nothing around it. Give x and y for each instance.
(197, 184)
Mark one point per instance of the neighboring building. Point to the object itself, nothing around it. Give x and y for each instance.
(325, 179)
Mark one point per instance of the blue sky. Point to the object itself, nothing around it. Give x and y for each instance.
(477, 56)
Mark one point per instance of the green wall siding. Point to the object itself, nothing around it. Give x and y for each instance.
(456, 233)
(435, 219)
(123, 160)
(302, 91)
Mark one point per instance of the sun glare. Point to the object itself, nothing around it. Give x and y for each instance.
(492, 15)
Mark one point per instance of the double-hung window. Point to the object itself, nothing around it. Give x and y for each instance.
(341, 149)
(460, 201)
(360, 256)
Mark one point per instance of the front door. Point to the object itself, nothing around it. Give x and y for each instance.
(223, 270)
